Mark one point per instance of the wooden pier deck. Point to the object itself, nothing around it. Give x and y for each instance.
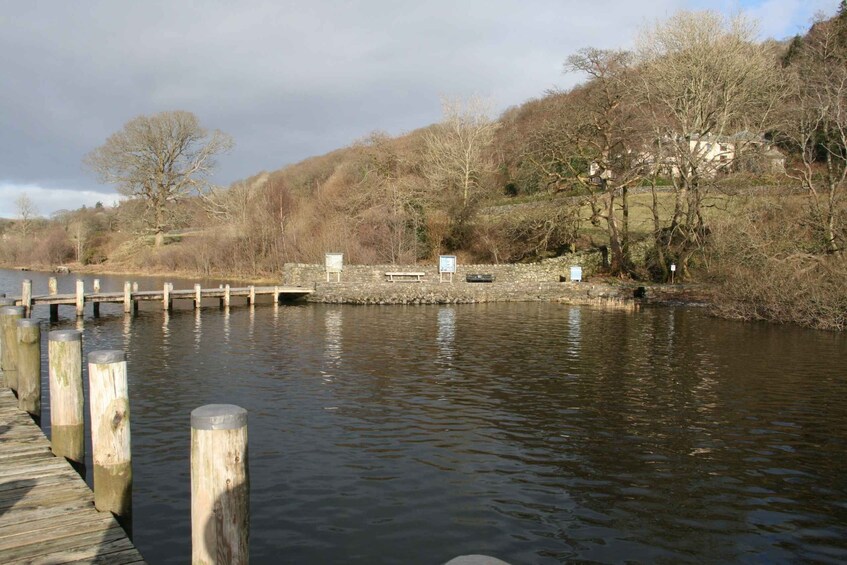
(47, 511)
(130, 298)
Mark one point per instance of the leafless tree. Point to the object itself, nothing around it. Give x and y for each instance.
(816, 126)
(703, 77)
(27, 211)
(159, 159)
(456, 158)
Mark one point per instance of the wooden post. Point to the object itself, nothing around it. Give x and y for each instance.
(9, 316)
(110, 437)
(134, 302)
(198, 295)
(220, 485)
(80, 297)
(26, 297)
(53, 290)
(221, 300)
(166, 297)
(127, 297)
(29, 367)
(226, 296)
(64, 352)
(251, 300)
(96, 305)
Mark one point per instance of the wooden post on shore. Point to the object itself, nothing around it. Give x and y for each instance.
(26, 297)
(29, 367)
(9, 316)
(134, 302)
(80, 297)
(226, 296)
(166, 297)
(53, 290)
(220, 485)
(251, 299)
(198, 295)
(127, 297)
(96, 305)
(110, 437)
(64, 352)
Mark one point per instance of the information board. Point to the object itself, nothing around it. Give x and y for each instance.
(447, 264)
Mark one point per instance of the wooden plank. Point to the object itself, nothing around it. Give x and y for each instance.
(47, 511)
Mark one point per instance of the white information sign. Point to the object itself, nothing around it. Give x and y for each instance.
(334, 264)
(447, 264)
(576, 274)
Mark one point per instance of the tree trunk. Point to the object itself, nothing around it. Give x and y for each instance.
(160, 238)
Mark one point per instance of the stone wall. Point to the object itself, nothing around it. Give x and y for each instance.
(547, 271)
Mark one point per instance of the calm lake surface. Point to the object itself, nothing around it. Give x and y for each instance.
(538, 433)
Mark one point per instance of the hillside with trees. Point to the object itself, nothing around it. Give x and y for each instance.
(702, 147)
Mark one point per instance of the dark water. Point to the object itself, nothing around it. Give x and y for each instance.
(537, 433)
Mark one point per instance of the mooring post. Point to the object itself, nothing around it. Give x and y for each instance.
(29, 367)
(53, 290)
(166, 297)
(9, 316)
(220, 485)
(26, 297)
(94, 304)
(226, 296)
(110, 437)
(80, 297)
(64, 352)
(134, 302)
(127, 297)
(276, 294)
(221, 300)
(251, 299)
(198, 295)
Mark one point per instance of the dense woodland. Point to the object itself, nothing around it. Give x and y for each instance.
(618, 164)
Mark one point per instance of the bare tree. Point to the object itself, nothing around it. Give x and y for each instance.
(816, 126)
(703, 78)
(592, 145)
(159, 159)
(456, 158)
(27, 211)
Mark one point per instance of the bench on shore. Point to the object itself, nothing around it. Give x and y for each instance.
(479, 278)
(405, 277)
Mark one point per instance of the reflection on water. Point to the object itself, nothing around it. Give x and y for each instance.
(538, 433)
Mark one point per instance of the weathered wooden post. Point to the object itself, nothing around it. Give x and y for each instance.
(198, 295)
(127, 297)
(29, 367)
(9, 316)
(221, 300)
(26, 297)
(251, 299)
(110, 436)
(134, 302)
(53, 290)
(80, 297)
(226, 296)
(64, 352)
(220, 485)
(96, 305)
(166, 297)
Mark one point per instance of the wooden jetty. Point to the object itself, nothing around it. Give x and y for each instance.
(131, 296)
(47, 511)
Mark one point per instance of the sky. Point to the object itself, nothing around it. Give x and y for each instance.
(287, 80)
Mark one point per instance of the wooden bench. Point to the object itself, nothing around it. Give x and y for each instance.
(404, 277)
(480, 278)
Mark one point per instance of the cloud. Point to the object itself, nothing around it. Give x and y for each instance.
(288, 79)
(49, 200)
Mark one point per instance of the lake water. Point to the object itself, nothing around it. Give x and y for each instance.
(538, 433)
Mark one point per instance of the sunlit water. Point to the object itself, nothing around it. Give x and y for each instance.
(538, 433)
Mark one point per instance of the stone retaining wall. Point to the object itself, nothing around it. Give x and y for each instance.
(547, 271)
